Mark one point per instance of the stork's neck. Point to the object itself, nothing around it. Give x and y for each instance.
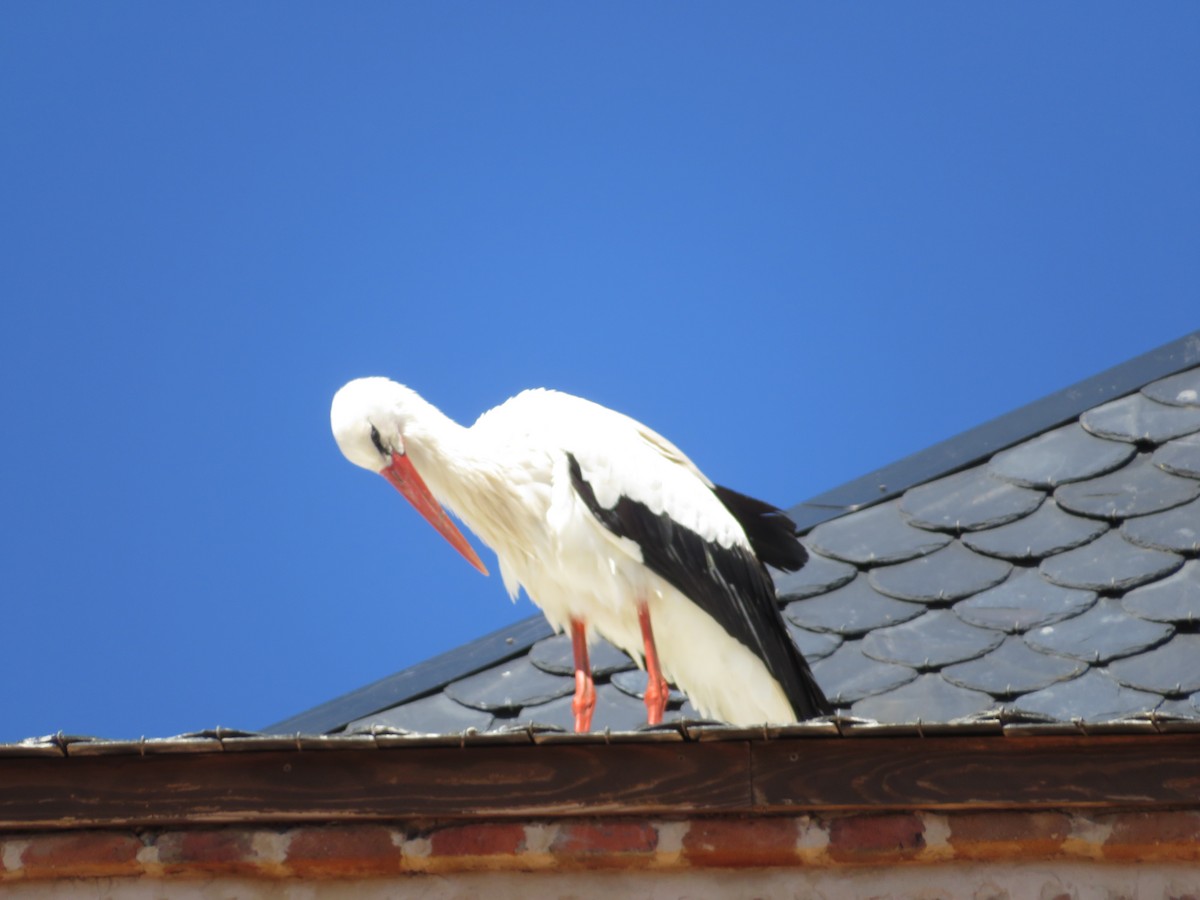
(468, 476)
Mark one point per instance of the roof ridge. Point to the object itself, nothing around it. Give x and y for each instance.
(976, 444)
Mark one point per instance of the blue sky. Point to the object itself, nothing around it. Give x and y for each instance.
(800, 240)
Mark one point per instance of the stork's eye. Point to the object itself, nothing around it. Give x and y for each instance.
(378, 441)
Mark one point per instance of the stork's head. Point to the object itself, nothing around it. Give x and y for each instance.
(369, 417)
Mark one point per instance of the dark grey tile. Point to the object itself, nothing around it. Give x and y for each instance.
(435, 714)
(933, 640)
(1137, 489)
(1172, 668)
(1065, 454)
(1180, 389)
(1138, 418)
(1102, 633)
(1048, 531)
(509, 686)
(633, 683)
(848, 675)
(851, 610)
(878, 534)
(1013, 668)
(813, 644)
(1180, 456)
(1176, 529)
(614, 709)
(818, 575)
(1092, 697)
(1026, 600)
(968, 501)
(1109, 563)
(948, 574)
(928, 699)
(1175, 598)
(554, 655)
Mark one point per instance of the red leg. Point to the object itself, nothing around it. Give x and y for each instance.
(585, 688)
(656, 685)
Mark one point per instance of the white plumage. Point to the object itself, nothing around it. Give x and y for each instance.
(520, 478)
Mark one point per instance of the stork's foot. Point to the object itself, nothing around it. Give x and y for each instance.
(657, 690)
(584, 702)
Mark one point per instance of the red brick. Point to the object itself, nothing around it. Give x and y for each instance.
(742, 842)
(605, 838)
(81, 854)
(224, 851)
(1006, 835)
(1154, 836)
(343, 851)
(874, 839)
(478, 840)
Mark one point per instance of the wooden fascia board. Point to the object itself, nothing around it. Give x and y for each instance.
(736, 777)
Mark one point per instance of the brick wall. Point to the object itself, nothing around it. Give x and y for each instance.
(323, 852)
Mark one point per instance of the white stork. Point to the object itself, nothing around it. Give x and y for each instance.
(611, 530)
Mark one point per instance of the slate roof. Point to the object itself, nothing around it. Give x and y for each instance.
(1043, 567)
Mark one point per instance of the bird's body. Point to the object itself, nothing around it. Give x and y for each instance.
(611, 530)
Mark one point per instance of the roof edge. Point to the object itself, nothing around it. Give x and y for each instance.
(978, 443)
(415, 681)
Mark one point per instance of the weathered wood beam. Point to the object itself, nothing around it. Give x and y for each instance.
(554, 780)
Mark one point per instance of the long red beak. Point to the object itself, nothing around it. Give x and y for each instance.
(405, 479)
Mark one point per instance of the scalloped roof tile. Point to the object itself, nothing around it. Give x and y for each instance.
(1026, 600)
(879, 534)
(1013, 668)
(968, 501)
(999, 540)
(1046, 532)
(951, 573)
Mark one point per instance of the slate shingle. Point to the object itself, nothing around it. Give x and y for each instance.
(1180, 389)
(1176, 529)
(1175, 598)
(1172, 668)
(1092, 697)
(435, 714)
(851, 610)
(878, 534)
(1060, 456)
(847, 676)
(1180, 456)
(1137, 418)
(1026, 600)
(818, 575)
(933, 640)
(1109, 563)
(948, 574)
(1046, 532)
(813, 644)
(928, 698)
(1137, 489)
(509, 686)
(556, 656)
(1102, 633)
(1013, 668)
(968, 501)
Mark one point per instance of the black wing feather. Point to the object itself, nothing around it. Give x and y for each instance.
(728, 583)
(770, 532)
